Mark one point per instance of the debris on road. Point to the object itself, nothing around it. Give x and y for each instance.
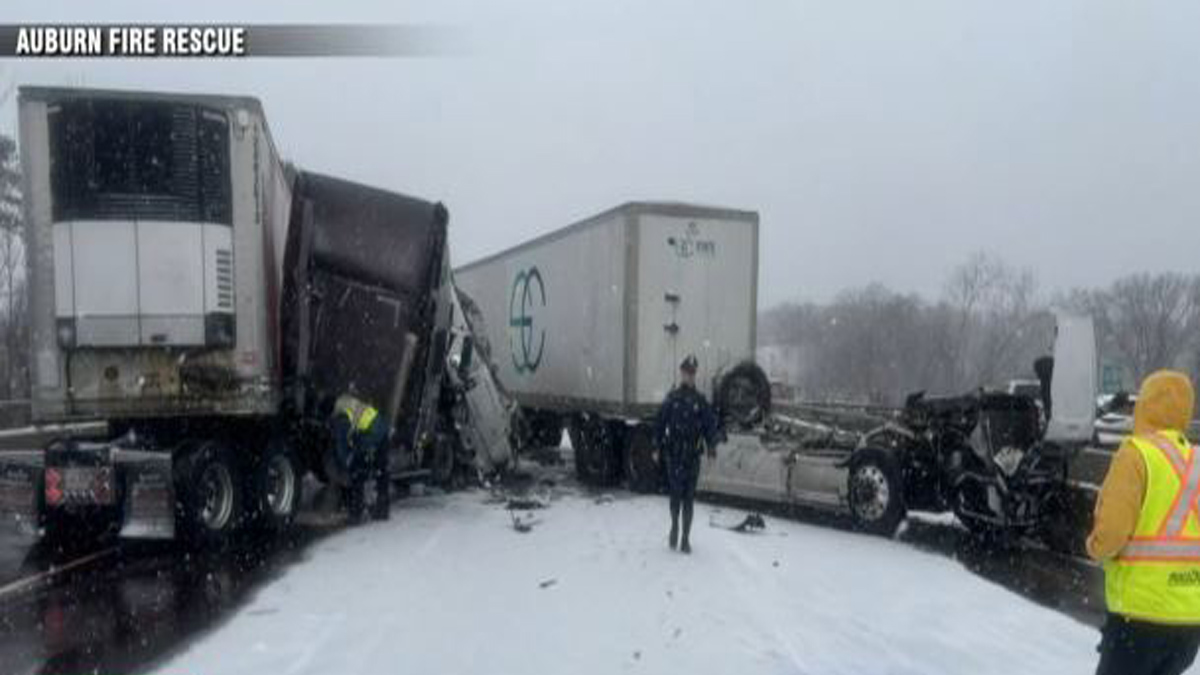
(753, 522)
(523, 525)
(528, 503)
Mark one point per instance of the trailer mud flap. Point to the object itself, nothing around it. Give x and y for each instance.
(20, 484)
(149, 505)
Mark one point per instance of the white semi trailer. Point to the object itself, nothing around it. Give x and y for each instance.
(588, 325)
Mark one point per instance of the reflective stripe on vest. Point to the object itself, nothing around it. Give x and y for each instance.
(367, 418)
(361, 416)
(1156, 576)
(1168, 541)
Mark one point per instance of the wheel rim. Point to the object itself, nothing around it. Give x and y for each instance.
(217, 490)
(281, 485)
(870, 492)
(643, 458)
(593, 439)
(741, 396)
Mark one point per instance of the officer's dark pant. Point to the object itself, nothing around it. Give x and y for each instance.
(1129, 647)
(682, 476)
(369, 461)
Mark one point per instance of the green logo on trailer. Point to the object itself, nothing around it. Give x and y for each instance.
(528, 292)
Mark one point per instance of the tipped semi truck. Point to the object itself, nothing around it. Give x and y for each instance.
(588, 325)
(209, 303)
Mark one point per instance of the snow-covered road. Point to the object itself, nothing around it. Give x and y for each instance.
(448, 586)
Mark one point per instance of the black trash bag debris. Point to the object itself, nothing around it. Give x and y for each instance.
(753, 521)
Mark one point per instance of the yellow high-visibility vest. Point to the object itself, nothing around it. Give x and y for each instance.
(1156, 577)
(361, 415)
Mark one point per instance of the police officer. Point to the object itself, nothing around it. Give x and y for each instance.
(685, 423)
(1147, 533)
(361, 437)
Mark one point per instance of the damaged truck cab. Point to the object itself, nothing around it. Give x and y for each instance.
(985, 456)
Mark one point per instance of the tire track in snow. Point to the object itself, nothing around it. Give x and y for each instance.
(327, 624)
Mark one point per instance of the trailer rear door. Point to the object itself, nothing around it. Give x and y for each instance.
(697, 280)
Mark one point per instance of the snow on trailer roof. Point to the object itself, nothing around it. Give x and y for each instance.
(666, 208)
(29, 92)
(53, 94)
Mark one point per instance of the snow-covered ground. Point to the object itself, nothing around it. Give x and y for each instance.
(449, 586)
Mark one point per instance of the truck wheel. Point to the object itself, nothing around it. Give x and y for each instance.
(595, 451)
(876, 493)
(444, 461)
(276, 487)
(211, 494)
(582, 461)
(743, 396)
(642, 468)
(318, 471)
(545, 429)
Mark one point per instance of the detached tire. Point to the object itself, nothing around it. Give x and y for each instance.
(876, 493)
(642, 467)
(276, 487)
(743, 395)
(211, 494)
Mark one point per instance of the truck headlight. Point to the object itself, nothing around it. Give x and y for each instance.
(66, 333)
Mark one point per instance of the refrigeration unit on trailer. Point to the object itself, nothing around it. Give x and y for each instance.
(210, 305)
(589, 324)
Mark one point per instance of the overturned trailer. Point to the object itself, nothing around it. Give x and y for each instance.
(210, 304)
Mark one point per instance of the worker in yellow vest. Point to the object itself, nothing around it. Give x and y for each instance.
(1147, 534)
(361, 435)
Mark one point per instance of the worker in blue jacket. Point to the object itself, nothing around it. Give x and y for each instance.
(686, 426)
(361, 437)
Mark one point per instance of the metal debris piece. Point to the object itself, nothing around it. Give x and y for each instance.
(522, 525)
(753, 521)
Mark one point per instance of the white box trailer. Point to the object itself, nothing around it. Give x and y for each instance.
(589, 323)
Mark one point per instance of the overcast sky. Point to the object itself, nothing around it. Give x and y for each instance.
(879, 140)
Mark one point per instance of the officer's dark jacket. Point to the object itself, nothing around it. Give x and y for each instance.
(685, 419)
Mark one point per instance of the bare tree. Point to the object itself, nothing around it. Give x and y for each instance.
(12, 262)
(996, 320)
(1151, 319)
(872, 344)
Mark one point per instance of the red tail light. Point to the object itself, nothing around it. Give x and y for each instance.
(54, 493)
